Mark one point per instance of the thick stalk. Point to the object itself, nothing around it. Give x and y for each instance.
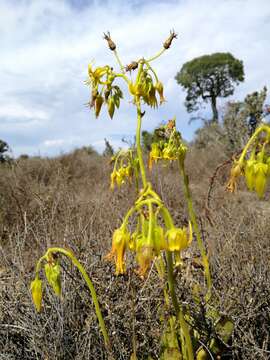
(138, 143)
(186, 344)
(90, 287)
(196, 228)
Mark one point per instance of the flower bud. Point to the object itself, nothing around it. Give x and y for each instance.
(98, 104)
(111, 107)
(36, 289)
(52, 272)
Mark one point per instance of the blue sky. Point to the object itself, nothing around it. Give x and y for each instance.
(47, 45)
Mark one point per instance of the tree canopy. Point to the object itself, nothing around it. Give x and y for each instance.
(208, 77)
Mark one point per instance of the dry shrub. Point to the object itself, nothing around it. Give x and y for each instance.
(66, 201)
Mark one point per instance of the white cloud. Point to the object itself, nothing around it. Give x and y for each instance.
(46, 46)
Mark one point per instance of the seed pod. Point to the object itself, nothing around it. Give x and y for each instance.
(168, 42)
(36, 289)
(132, 66)
(111, 44)
(111, 106)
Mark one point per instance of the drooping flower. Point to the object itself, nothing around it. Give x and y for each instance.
(36, 290)
(119, 243)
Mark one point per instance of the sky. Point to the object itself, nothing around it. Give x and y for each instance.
(46, 47)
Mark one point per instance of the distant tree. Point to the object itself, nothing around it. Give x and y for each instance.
(209, 77)
(3, 149)
(147, 139)
(108, 151)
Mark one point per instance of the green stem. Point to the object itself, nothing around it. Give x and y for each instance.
(186, 344)
(196, 228)
(250, 141)
(119, 61)
(157, 55)
(90, 287)
(138, 142)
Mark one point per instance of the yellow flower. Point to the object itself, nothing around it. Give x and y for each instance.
(119, 243)
(159, 88)
(145, 255)
(160, 242)
(154, 155)
(113, 178)
(250, 174)
(260, 170)
(235, 173)
(96, 75)
(169, 153)
(52, 272)
(36, 289)
(177, 239)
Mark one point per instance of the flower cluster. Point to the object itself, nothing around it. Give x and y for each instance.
(103, 91)
(255, 166)
(149, 238)
(169, 145)
(125, 167)
(53, 275)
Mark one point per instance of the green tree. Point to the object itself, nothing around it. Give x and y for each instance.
(208, 77)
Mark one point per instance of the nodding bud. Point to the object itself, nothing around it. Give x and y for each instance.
(111, 44)
(168, 42)
(132, 66)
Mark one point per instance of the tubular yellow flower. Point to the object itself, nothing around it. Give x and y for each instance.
(160, 241)
(260, 180)
(145, 255)
(154, 155)
(52, 272)
(235, 173)
(250, 174)
(96, 75)
(36, 289)
(159, 88)
(113, 179)
(119, 243)
(177, 239)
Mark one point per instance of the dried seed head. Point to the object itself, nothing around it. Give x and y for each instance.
(132, 66)
(168, 42)
(111, 44)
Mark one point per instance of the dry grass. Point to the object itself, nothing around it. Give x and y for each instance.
(66, 201)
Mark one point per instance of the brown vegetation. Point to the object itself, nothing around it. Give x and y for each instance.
(66, 201)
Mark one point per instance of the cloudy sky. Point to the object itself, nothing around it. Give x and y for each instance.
(46, 46)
